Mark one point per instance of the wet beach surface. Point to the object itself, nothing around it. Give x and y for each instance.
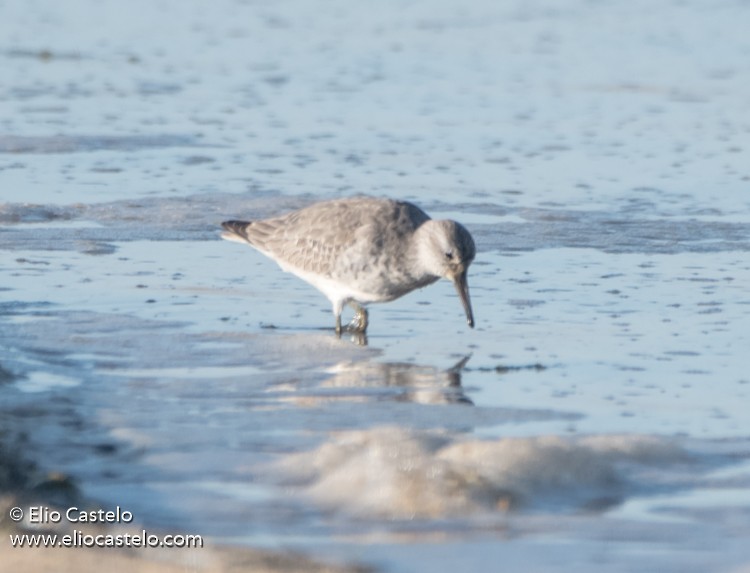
(598, 153)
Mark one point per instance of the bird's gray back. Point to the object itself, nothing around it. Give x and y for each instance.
(355, 239)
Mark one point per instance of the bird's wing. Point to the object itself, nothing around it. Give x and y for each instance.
(315, 238)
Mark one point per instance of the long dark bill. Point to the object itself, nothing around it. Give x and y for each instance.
(462, 288)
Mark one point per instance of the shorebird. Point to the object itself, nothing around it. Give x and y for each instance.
(362, 250)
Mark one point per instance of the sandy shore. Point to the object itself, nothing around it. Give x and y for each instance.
(211, 558)
(21, 486)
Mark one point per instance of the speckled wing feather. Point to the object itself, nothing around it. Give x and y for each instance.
(331, 238)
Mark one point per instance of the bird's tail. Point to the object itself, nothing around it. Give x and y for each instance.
(235, 231)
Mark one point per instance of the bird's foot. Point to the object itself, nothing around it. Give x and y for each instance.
(359, 322)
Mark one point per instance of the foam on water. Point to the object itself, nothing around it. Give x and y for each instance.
(40, 381)
(392, 473)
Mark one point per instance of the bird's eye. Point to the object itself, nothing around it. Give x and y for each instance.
(449, 255)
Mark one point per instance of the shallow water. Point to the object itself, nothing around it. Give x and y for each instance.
(595, 417)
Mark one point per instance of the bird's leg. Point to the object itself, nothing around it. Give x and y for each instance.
(338, 306)
(338, 325)
(359, 322)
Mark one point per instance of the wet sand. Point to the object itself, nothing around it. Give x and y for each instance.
(24, 486)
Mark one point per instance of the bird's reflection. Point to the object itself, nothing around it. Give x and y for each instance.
(357, 338)
(412, 382)
(354, 373)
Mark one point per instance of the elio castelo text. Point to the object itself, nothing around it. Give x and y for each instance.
(40, 514)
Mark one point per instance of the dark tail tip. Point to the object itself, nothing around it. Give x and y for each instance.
(236, 228)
